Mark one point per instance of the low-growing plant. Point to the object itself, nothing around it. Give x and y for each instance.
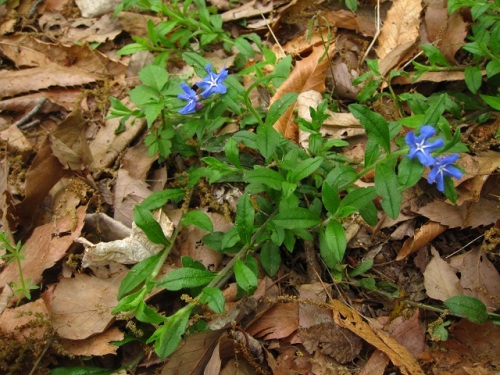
(14, 254)
(291, 194)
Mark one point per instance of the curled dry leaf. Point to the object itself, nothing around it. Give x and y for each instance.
(130, 250)
(423, 236)
(308, 74)
(398, 354)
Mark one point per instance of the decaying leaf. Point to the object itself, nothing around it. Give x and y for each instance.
(89, 313)
(440, 279)
(308, 74)
(97, 345)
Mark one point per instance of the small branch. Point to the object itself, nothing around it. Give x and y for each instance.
(27, 117)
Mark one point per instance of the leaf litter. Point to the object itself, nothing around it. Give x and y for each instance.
(72, 165)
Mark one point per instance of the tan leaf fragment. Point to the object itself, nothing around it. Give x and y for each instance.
(47, 244)
(337, 126)
(15, 140)
(23, 322)
(479, 277)
(423, 236)
(440, 279)
(279, 322)
(308, 74)
(97, 345)
(399, 32)
(89, 313)
(398, 354)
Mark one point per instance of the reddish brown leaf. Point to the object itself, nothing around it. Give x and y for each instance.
(424, 235)
(308, 74)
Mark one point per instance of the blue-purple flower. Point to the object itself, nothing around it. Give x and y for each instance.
(192, 100)
(212, 83)
(442, 168)
(421, 147)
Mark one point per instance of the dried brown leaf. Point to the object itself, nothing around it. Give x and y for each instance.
(24, 321)
(45, 247)
(308, 74)
(423, 236)
(98, 345)
(400, 356)
(277, 323)
(90, 313)
(399, 32)
(440, 279)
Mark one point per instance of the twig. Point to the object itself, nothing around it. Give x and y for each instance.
(377, 32)
(27, 117)
(34, 8)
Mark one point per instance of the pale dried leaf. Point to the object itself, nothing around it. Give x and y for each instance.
(128, 193)
(308, 74)
(97, 345)
(480, 279)
(423, 236)
(15, 140)
(483, 212)
(94, 8)
(440, 279)
(247, 10)
(90, 313)
(400, 26)
(430, 77)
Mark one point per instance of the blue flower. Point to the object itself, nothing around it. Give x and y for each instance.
(212, 83)
(442, 167)
(192, 100)
(420, 147)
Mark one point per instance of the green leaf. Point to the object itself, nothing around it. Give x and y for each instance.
(132, 48)
(372, 152)
(296, 218)
(144, 219)
(199, 219)
(281, 70)
(264, 176)
(267, 140)
(197, 62)
(245, 215)
(336, 243)
(230, 238)
(160, 198)
(362, 268)
(473, 78)
(279, 107)
(492, 101)
(304, 169)
(138, 274)
(270, 258)
(433, 114)
(435, 56)
(244, 46)
(468, 307)
(146, 314)
(154, 76)
(188, 262)
(409, 172)
(232, 151)
(330, 198)
(358, 198)
(387, 186)
(182, 278)
(375, 125)
(214, 298)
(492, 68)
(80, 370)
(245, 278)
(130, 302)
(168, 337)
